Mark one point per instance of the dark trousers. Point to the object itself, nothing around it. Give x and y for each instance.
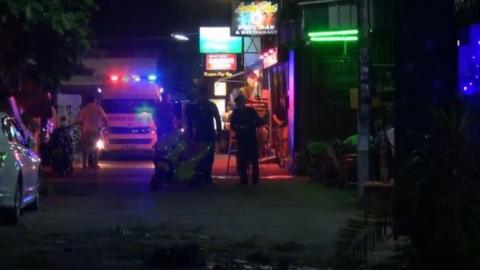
(206, 165)
(244, 159)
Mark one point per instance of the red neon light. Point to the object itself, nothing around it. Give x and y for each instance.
(114, 78)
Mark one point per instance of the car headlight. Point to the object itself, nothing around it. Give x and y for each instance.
(100, 145)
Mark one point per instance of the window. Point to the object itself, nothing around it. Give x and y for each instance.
(128, 105)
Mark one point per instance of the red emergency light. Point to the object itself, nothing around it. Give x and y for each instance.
(114, 78)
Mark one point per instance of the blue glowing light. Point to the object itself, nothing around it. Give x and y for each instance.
(152, 77)
(469, 61)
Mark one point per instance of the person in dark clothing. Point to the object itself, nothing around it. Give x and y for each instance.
(245, 122)
(280, 121)
(164, 116)
(201, 129)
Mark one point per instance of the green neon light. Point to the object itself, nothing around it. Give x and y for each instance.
(334, 33)
(332, 39)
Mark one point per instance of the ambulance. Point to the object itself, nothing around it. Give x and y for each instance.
(129, 101)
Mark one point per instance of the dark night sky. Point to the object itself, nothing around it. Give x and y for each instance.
(119, 19)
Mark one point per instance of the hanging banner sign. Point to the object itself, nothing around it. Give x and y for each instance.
(254, 18)
(221, 62)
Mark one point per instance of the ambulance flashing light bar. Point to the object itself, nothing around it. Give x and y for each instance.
(135, 78)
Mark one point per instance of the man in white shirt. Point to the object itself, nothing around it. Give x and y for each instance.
(92, 118)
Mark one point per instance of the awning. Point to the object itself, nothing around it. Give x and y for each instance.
(467, 12)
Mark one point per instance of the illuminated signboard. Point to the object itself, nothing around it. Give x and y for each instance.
(220, 89)
(217, 74)
(254, 18)
(221, 62)
(218, 40)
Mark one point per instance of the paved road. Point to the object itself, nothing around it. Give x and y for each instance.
(118, 194)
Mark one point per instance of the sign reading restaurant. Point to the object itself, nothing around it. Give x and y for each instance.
(254, 18)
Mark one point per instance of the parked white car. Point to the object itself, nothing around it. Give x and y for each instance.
(19, 170)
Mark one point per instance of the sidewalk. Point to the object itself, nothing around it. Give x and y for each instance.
(268, 171)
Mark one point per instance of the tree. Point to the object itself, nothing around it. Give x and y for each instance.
(43, 39)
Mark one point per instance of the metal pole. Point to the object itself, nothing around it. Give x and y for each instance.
(365, 97)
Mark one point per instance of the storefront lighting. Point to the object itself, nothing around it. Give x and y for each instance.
(333, 39)
(333, 33)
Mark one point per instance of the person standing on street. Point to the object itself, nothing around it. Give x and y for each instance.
(92, 118)
(245, 122)
(164, 116)
(280, 120)
(201, 129)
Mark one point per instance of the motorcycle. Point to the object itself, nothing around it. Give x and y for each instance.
(61, 151)
(176, 160)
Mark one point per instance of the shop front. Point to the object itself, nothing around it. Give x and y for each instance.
(265, 84)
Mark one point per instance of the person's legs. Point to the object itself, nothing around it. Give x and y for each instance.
(93, 148)
(84, 143)
(208, 164)
(84, 158)
(255, 169)
(89, 152)
(242, 164)
(284, 141)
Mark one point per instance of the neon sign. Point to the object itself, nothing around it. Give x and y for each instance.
(334, 36)
(254, 18)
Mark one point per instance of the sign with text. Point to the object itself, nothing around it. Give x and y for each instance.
(218, 40)
(217, 74)
(216, 62)
(254, 18)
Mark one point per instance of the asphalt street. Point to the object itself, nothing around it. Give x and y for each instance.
(118, 197)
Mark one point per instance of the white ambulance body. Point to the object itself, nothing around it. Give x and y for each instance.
(129, 106)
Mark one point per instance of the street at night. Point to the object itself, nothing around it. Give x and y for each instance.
(107, 217)
(240, 134)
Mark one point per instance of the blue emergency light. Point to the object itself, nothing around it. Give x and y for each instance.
(135, 78)
(152, 77)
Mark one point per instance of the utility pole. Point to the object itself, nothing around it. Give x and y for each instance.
(365, 96)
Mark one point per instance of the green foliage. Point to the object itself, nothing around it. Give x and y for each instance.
(46, 37)
(445, 218)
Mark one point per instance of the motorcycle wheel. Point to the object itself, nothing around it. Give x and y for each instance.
(163, 173)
